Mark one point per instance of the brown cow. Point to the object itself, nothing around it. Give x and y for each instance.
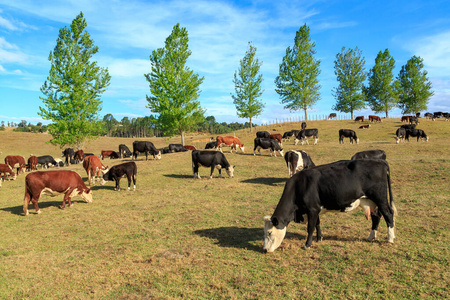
(109, 153)
(405, 119)
(229, 141)
(364, 126)
(79, 155)
(54, 183)
(189, 147)
(277, 137)
(4, 169)
(360, 118)
(16, 161)
(32, 163)
(93, 167)
(373, 118)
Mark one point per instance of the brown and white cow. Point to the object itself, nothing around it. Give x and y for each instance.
(79, 155)
(373, 118)
(229, 141)
(109, 153)
(32, 163)
(54, 183)
(6, 169)
(16, 161)
(277, 137)
(190, 147)
(364, 126)
(93, 167)
(359, 119)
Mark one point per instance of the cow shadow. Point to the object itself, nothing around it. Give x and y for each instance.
(178, 176)
(272, 181)
(18, 210)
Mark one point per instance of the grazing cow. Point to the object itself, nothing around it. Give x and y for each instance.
(146, 147)
(359, 119)
(340, 186)
(176, 148)
(68, 153)
(446, 116)
(124, 151)
(405, 119)
(212, 159)
(59, 162)
(78, 156)
(128, 169)
(419, 133)
(93, 167)
(46, 161)
(304, 134)
(428, 115)
(164, 150)
(54, 183)
(303, 126)
(109, 153)
(400, 135)
(413, 120)
(270, 144)
(332, 116)
(347, 133)
(16, 161)
(374, 119)
(263, 134)
(277, 137)
(6, 169)
(437, 114)
(364, 126)
(229, 141)
(297, 161)
(288, 134)
(211, 145)
(189, 147)
(32, 163)
(370, 154)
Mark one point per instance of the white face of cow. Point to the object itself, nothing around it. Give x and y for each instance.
(230, 171)
(87, 195)
(158, 156)
(272, 236)
(242, 149)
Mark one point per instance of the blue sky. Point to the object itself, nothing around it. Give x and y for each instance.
(126, 33)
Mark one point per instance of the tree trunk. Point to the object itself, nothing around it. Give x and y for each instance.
(182, 138)
(387, 114)
(251, 127)
(306, 115)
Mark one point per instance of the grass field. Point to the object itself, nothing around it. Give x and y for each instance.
(179, 237)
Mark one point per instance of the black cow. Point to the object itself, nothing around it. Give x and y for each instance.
(288, 134)
(297, 161)
(332, 116)
(176, 148)
(212, 159)
(46, 161)
(68, 153)
(164, 150)
(211, 145)
(304, 134)
(263, 134)
(124, 151)
(438, 114)
(419, 133)
(339, 186)
(408, 126)
(370, 154)
(428, 115)
(413, 120)
(146, 147)
(400, 135)
(267, 144)
(128, 169)
(446, 116)
(347, 133)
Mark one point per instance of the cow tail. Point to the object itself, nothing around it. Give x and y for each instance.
(392, 204)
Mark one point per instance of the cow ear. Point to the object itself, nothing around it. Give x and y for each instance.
(88, 190)
(274, 221)
(234, 167)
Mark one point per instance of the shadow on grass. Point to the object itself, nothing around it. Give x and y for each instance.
(178, 176)
(18, 210)
(234, 237)
(266, 180)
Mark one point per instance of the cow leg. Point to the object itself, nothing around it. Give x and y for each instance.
(212, 171)
(319, 237)
(117, 179)
(312, 221)
(26, 201)
(316, 140)
(376, 216)
(35, 204)
(129, 181)
(195, 170)
(134, 182)
(66, 197)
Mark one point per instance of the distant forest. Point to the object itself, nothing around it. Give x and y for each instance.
(137, 127)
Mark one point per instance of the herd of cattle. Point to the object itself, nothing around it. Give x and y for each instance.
(363, 181)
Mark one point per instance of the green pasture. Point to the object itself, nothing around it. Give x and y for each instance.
(179, 237)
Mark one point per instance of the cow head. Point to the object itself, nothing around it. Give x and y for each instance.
(242, 148)
(272, 235)
(357, 141)
(158, 156)
(87, 195)
(230, 171)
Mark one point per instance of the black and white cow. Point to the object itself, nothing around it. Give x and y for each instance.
(210, 159)
(263, 134)
(370, 154)
(413, 120)
(400, 135)
(68, 153)
(146, 147)
(419, 133)
(124, 152)
(270, 144)
(332, 116)
(304, 134)
(347, 133)
(46, 161)
(288, 134)
(128, 170)
(211, 145)
(297, 161)
(176, 148)
(340, 186)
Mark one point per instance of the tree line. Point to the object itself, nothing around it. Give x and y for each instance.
(72, 91)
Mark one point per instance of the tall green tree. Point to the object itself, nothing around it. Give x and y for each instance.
(381, 93)
(414, 89)
(110, 123)
(349, 68)
(73, 88)
(174, 87)
(297, 82)
(247, 84)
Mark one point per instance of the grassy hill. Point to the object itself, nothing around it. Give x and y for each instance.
(179, 237)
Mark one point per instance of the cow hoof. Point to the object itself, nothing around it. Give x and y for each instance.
(305, 247)
(37, 212)
(26, 213)
(319, 238)
(61, 207)
(128, 189)
(71, 205)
